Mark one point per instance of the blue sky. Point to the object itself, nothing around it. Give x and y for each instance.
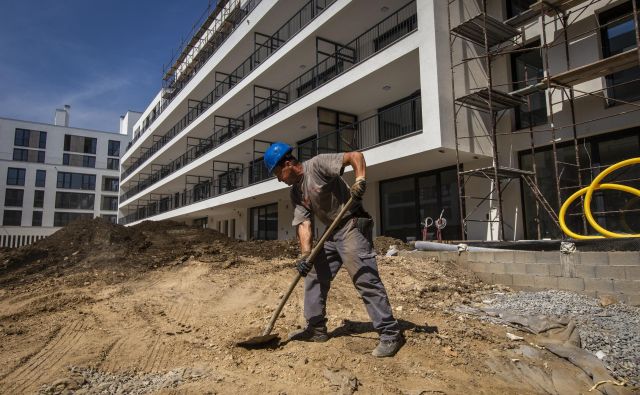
(100, 57)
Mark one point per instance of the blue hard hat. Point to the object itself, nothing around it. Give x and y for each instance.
(275, 153)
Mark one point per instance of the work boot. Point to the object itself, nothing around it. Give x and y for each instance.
(310, 334)
(388, 348)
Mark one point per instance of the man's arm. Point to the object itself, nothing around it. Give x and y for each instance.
(355, 159)
(305, 236)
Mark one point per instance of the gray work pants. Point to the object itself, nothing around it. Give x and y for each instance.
(349, 246)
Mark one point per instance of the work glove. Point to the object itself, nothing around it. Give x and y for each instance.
(303, 265)
(358, 188)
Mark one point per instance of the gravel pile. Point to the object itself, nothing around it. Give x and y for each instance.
(612, 330)
(92, 381)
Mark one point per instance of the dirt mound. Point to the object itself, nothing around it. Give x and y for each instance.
(98, 248)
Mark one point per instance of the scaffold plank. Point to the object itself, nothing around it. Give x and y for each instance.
(551, 6)
(600, 68)
(497, 31)
(503, 172)
(588, 72)
(499, 100)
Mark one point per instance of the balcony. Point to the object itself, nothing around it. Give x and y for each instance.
(397, 122)
(374, 40)
(311, 10)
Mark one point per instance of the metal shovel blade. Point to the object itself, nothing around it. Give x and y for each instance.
(258, 341)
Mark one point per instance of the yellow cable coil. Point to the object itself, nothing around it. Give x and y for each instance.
(588, 191)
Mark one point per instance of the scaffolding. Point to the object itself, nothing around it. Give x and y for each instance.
(492, 39)
(215, 24)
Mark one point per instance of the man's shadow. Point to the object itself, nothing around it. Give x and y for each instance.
(355, 328)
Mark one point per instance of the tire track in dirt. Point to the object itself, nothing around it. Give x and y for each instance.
(150, 362)
(35, 357)
(112, 349)
(27, 358)
(43, 362)
(56, 361)
(182, 309)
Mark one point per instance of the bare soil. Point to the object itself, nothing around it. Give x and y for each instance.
(159, 307)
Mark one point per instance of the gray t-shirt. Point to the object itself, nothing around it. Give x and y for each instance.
(321, 191)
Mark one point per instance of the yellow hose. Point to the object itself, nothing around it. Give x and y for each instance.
(588, 191)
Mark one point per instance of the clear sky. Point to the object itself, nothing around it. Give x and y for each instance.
(102, 58)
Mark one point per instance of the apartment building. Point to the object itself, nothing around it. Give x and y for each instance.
(450, 102)
(55, 174)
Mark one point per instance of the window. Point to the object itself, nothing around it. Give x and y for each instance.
(202, 190)
(616, 211)
(113, 164)
(41, 177)
(329, 140)
(258, 171)
(517, 7)
(406, 201)
(111, 218)
(165, 204)
(400, 118)
(30, 138)
(81, 144)
(15, 176)
(109, 203)
(12, 218)
(76, 181)
(72, 200)
(229, 180)
(28, 155)
(201, 222)
(618, 35)
(13, 197)
(21, 138)
(110, 184)
(114, 148)
(61, 218)
(38, 199)
(79, 160)
(307, 148)
(36, 219)
(264, 222)
(527, 69)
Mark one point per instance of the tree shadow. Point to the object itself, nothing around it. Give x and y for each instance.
(355, 328)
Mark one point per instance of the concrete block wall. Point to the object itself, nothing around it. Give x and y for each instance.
(591, 273)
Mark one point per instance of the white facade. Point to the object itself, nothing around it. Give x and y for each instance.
(39, 190)
(302, 72)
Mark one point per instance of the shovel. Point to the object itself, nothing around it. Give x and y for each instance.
(267, 336)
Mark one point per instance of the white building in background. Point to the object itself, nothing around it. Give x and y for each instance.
(403, 82)
(52, 174)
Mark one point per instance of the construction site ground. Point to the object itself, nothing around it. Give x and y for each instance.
(158, 308)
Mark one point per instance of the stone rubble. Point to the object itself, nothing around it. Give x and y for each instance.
(612, 331)
(93, 381)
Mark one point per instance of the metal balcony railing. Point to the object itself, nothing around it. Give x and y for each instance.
(383, 34)
(293, 26)
(364, 46)
(393, 123)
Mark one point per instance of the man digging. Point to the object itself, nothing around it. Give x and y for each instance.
(317, 188)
